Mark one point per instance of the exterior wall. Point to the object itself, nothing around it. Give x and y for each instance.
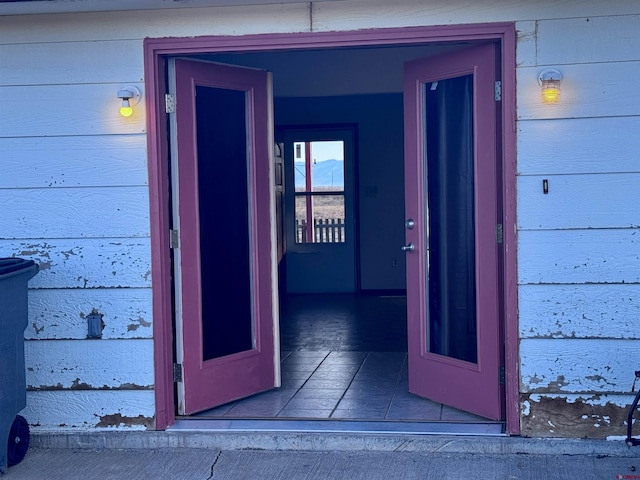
(75, 198)
(579, 251)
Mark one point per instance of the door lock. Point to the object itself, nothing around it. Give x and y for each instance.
(408, 248)
(410, 223)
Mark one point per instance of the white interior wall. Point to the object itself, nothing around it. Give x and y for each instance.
(59, 129)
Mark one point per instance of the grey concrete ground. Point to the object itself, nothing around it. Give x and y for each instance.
(311, 456)
(191, 463)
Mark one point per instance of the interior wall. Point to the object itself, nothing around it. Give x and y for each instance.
(379, 175)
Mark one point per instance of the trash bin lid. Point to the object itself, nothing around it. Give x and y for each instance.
(8, 265)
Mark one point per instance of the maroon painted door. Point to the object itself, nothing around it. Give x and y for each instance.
(452, 208)
(222, 156)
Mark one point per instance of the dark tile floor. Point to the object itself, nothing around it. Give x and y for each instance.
(343, 357)
(344, 322)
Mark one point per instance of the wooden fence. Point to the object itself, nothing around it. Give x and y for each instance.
(325, 230)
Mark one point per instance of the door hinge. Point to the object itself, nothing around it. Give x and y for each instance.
(174, 238)
(499, 234)
(177, 372)
(501, 375)
(498, 91)
(169, 103)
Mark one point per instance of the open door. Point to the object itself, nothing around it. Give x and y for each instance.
(452, 236)
(223, 209)
(320, 210)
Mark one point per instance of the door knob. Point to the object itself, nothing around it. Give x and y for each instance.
(408, 248)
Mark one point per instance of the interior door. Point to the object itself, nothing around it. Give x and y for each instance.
(223, 197)
(452, 208)
(320, 210)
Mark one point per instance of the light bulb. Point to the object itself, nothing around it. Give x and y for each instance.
(550, 91)
(126, 110)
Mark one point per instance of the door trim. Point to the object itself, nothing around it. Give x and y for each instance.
(155, 52)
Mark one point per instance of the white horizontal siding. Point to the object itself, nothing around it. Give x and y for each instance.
(579, 247)
(85, 263)
(69, 63)
(586, 145)
(89, 364)
(585, 39)
(75, 212)
(587, 90)
(588, 39)
(57, 110)
(286, 18)
(580, 311)
(56, 410)
(574, 366)
(356, 14)
(579, 201)
(130, 25)
(62, 313)
(526, 34)
(74, 161)
(75, 199)
(579, 256)
(117, 5)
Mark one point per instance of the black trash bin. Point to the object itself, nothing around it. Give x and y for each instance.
(14, 430)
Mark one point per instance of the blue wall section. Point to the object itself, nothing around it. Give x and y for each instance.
(379, 174)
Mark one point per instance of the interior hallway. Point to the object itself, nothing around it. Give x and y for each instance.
(343, 357)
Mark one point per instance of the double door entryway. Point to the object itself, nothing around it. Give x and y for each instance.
(235, 222)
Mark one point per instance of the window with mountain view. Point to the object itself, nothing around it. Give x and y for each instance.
(319, 191)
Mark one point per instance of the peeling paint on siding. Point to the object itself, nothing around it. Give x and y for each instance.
(119, 420)
(582, 417)
(61, 314)
(141, 323)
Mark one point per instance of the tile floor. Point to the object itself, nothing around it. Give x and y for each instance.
(343, 357)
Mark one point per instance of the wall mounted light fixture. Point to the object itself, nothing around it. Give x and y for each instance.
(549, 80)
(130, 96)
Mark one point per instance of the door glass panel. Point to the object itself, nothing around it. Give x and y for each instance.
(319, 191)
(450, 224)
(225, 246)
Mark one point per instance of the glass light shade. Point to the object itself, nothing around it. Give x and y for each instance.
(550, 91)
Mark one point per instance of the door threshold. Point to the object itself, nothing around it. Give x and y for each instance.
(338, 426)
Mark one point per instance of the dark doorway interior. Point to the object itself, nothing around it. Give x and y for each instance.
(344, 322)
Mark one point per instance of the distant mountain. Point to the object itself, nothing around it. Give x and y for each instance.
(328, 173)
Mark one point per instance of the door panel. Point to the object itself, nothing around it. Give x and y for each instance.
(223, 196)
(453, 287)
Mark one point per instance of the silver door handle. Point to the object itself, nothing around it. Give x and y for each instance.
(408, 248)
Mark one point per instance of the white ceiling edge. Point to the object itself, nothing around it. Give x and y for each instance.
(73, 6)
